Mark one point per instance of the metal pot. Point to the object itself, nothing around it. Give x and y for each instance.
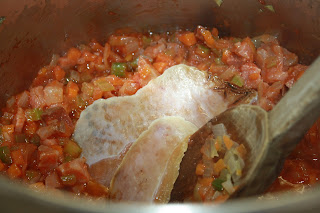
(33, 30)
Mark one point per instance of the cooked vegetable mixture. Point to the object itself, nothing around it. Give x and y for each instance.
(220, 168)
(36, 144)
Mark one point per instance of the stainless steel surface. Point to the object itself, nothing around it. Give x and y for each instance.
(34, 29)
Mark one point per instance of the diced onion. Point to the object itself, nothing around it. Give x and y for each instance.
(228, 186)
(219, 130)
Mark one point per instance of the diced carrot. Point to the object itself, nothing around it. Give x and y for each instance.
(200, 169)
(14, 171)
(17, 157)
(188, 38)
(31, 127)
(59, 73)
(58, 148)
(72, 90)
(227, 141)
(73, 54)
(160, 66)
(254, 76)
(225, 55)
(217, 167)
(9, 129)
(2, 166)
(97, 93)
(209, 40)
(242, 151)
(206, 181)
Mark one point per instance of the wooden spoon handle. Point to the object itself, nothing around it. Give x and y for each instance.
(296, 112)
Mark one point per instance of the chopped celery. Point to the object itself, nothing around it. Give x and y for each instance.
(271, 62)
(270, 7)
(104, 85)
(35, 139)
(80, 102)
(69, 180)
(119, 69)
(33, 114)
(72, 149)
(218, 61)
(5, 155)
(2, 18)
(237, 80)
(85, 76)
(146, 41)
(217, 184)
(202, 50)
(133, 65)
(219, 2)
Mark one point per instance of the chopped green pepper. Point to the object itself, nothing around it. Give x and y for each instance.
(237, 80)
(72, 149)
(5, 155)
(202, 50)
(217, 184)
(119, 69)
(270, 7)
(80, 102)
(146, 41)
(69, 180)
(133, 65)
(33, 114)
(21, 138)
(32, 174)
(2, 18)
(218, 61)
(35, 139)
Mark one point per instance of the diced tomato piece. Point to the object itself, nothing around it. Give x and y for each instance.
(49, 142)
(59, 73)
(37, 97)
(245, 49)
(77, 167)
(72, 90)
(23, 99)
(14, 171)
(146, 70)
(30, 127)
(230, 58)
(130, 87)
(53, 180)
(17, 157)
(250, 73)
(48, 158)
(19, 120)
(46, 131)
(59, 117)
(53, 93)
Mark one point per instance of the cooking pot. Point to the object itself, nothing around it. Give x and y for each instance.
(32, 30)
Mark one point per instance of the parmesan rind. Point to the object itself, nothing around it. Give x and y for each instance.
(151, 166)
(107, 127)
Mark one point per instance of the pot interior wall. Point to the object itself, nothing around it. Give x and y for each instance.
(33, 30)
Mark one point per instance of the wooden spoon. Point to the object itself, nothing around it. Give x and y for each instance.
(270, 136)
